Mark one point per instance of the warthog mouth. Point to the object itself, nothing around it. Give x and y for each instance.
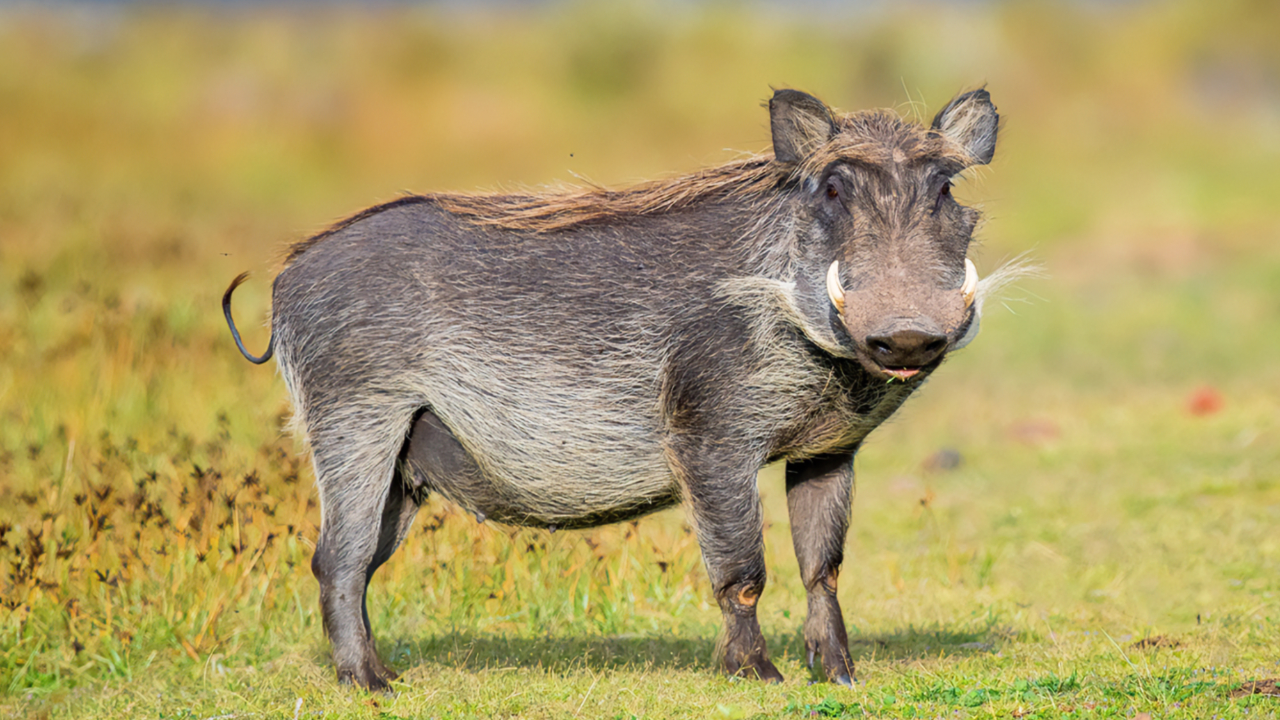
(899, 374)
(931, 349)
(903, 374)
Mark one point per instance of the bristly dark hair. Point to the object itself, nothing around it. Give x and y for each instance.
(562, 209)
(864, 136)
(300, 247)
(593, 204)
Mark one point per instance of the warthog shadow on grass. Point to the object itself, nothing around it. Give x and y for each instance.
(574, 358)
(595, 653)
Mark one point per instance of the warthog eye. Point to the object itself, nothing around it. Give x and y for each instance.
(944, 192)
(835, 188)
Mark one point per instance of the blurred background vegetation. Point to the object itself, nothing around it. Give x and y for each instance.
(1117, 429)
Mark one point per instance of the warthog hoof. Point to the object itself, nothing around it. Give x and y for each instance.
(370, 675)
(836, 664)
(753, 668)
(841, 679)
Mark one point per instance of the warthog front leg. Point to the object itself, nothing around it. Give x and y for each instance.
(819, 493)
(724, 503)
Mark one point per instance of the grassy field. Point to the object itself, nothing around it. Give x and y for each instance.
(1108, 546)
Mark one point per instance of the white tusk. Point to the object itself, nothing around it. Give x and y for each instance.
(834, 291)
(970, 287)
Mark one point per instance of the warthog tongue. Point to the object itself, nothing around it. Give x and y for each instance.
(903, 373)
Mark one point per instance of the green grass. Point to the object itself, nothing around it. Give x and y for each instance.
(158, 522)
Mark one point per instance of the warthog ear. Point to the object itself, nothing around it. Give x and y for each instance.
(971, 121)
(800, 123)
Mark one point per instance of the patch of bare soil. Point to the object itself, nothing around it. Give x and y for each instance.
(1156, 642)
(1258, 687)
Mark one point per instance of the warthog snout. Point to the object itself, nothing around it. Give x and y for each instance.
(905, 347)
(899, 327)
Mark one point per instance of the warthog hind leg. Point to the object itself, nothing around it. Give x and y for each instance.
(819, 493)
(365, 512)
(397, 517)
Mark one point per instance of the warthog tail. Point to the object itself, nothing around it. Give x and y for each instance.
(226, 310)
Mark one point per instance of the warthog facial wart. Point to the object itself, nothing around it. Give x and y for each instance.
(579, 357)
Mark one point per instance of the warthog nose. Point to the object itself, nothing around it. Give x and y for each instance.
(906, 348)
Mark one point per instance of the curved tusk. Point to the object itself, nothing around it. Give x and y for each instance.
(834, 291)
(970, 287)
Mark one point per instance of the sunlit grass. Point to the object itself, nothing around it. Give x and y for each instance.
(156, 522)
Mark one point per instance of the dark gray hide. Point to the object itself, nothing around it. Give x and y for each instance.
(580, 358)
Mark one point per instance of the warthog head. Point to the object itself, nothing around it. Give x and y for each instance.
(882, 242)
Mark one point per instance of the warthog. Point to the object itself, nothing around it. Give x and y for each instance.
(573, 358)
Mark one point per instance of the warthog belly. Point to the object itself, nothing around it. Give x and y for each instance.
(436, 461)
